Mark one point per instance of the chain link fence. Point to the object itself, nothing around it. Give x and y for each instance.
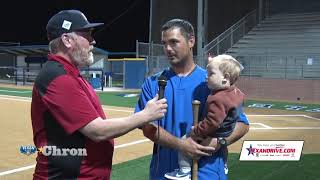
(267, 66)
(281, 67)
(156, 60)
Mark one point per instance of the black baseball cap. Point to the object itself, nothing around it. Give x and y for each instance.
(68, 21)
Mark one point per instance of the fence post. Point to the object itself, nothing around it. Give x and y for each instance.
(250, 68)
(218, 49)
(266, 63)
(150, 60)
(285, 68)
(24, 76)
(137, 48)
(244, 27)
(231, 37)
(302, 76)
(15, 73)
(110, 81)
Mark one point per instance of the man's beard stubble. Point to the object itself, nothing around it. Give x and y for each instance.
(82, 57)
(177, 62)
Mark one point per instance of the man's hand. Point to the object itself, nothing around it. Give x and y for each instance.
(212, 142)
(195, 150)
(155, 109)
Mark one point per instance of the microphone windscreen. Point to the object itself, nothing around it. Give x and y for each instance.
(162, 80)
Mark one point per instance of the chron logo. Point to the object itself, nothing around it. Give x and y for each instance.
(55, 151)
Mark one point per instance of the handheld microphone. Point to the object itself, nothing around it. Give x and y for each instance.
(162, 82)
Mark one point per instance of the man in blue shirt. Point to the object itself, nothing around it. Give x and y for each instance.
(185, 82)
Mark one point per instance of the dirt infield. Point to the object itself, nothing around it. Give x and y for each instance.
(16, 130)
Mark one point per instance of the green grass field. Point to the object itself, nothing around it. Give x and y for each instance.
(115, 99)
(305, 169)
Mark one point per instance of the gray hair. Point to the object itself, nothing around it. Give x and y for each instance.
(56, 45)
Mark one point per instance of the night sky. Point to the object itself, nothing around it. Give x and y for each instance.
(125, 21)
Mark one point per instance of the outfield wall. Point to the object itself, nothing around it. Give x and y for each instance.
(280, 89)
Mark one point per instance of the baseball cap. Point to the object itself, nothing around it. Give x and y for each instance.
(67, 21)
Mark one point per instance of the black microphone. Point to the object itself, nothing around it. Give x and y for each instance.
(162, 82)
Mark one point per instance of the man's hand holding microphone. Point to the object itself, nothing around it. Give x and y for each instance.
(155, 109)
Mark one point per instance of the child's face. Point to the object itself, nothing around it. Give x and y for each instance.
(216, 79)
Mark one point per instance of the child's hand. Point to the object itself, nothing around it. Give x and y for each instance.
(194, 137)
(212, 142)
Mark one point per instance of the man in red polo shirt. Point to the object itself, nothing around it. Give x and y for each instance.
(69, 126)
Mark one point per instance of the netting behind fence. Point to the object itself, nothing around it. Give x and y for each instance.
(18, 75)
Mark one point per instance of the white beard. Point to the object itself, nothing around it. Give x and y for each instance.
(82, 57)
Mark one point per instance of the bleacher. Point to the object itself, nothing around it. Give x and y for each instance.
(282, 46)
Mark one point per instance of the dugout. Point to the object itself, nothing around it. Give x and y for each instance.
(20, 64)
(128, 73)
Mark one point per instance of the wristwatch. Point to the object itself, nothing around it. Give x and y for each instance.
(222, 141)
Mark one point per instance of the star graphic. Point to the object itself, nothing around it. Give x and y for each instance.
(40, 149)
(250, 150)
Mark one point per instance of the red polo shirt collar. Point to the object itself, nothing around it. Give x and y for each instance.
(68, 66)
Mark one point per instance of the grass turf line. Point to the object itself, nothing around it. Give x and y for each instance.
(114, 99)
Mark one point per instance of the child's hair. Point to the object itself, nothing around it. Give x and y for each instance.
(228, 64)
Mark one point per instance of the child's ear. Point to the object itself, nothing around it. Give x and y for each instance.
(227, 76)
(224, 81)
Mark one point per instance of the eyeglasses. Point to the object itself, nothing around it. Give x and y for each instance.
(85, 34)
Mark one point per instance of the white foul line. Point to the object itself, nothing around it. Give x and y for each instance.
(120, 110)
(266, 127)
(284, 128)
(276, 115)
(17, 170)
(263, 125)
(132, 143)
(311, 117)
(15, 98)
(27, 99)
(32, 166)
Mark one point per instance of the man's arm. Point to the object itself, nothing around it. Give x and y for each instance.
(239, 131)
(164, 138)
(101, 129)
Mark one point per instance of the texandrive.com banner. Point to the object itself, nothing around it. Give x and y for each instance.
(271, 150)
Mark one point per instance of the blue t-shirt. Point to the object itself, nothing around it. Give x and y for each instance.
(180, 92)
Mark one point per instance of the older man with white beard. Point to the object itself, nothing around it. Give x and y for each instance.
(65, 110)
